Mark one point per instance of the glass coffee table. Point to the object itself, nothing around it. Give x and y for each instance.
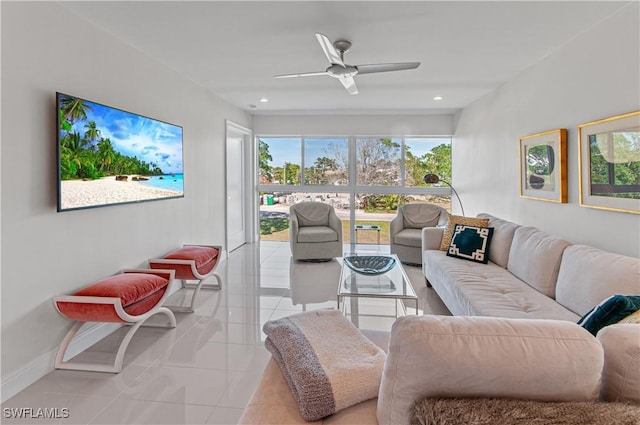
(375, 276)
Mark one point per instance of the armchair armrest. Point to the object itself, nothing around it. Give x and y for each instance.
(397, 224)
(293, 227)
(336, 224)
(432, 237)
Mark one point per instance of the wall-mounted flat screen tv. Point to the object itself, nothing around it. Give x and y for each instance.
(107, 156)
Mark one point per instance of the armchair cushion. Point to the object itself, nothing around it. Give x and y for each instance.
(315, 234)
(419, 215)
(312, 214)
(409, 237)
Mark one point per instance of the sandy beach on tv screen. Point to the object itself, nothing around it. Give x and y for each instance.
(107, 190)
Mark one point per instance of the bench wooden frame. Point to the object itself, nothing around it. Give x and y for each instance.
(134, 321)
(167, 263)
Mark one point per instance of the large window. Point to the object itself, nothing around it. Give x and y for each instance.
(326, 161)
(365, 179)
(378, 162)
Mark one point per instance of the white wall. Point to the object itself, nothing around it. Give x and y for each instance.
(594, 76)
(353, 125)
(46, 49)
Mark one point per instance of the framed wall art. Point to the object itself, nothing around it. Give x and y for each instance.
(609, 163)
(543, 166)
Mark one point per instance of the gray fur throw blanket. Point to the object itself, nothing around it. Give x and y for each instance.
(492, 411)
(328, 364)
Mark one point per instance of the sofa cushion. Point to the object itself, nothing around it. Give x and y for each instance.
(471, 243)
(478, 411)
(457, 219)
(317, 234)
(535, 258)
(503, 231)
(545, 360)
(609, 312)
(589, 275)
(409, 237)
(621, 373)
(474, 289)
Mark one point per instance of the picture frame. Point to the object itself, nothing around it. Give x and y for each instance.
(543, 166)
(609, 163)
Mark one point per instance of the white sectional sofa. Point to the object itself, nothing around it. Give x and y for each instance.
(530, 275)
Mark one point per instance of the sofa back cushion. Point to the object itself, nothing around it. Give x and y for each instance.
(535, 258)
(503, 231)
(464, 356)
(589, 275)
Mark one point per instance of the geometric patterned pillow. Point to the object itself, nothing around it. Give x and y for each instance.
(471, 243)
(458, 219)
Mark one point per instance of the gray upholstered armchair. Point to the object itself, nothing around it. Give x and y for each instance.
(315, 231)
(406, 229)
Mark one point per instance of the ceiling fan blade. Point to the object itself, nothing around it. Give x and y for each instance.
(301, 74)
(350, 84)
(386, 67)
(330, 51)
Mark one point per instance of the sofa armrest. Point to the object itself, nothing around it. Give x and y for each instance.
(621, 373)
(463, 356)
(431, 237)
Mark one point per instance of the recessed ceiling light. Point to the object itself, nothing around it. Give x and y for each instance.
(437, 98)
(264, 100)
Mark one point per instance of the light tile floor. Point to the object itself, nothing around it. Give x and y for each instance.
(206, 369)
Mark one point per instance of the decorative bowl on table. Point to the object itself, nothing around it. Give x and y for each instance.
(371, 265)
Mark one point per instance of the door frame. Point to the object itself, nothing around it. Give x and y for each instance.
(233, 129)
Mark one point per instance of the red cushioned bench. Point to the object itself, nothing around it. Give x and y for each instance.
(192, 262)
(128, 298)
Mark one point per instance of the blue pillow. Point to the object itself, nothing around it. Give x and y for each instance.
(609, 311)
(470, 243)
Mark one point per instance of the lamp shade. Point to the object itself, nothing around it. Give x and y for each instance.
(431, 178)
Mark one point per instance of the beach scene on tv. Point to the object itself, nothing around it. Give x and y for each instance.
(109, 156)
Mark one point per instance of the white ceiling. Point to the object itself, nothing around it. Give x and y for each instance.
(233, 49)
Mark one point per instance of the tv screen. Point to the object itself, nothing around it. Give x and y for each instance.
(107, 156)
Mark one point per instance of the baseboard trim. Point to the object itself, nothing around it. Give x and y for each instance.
(22, 378)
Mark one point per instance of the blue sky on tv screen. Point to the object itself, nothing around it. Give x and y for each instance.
(147, 139)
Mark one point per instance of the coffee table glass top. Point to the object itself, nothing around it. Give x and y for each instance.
(393, 283)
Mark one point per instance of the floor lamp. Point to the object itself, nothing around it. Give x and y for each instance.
(434, 179)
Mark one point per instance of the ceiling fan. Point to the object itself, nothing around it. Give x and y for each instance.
(344, 72)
